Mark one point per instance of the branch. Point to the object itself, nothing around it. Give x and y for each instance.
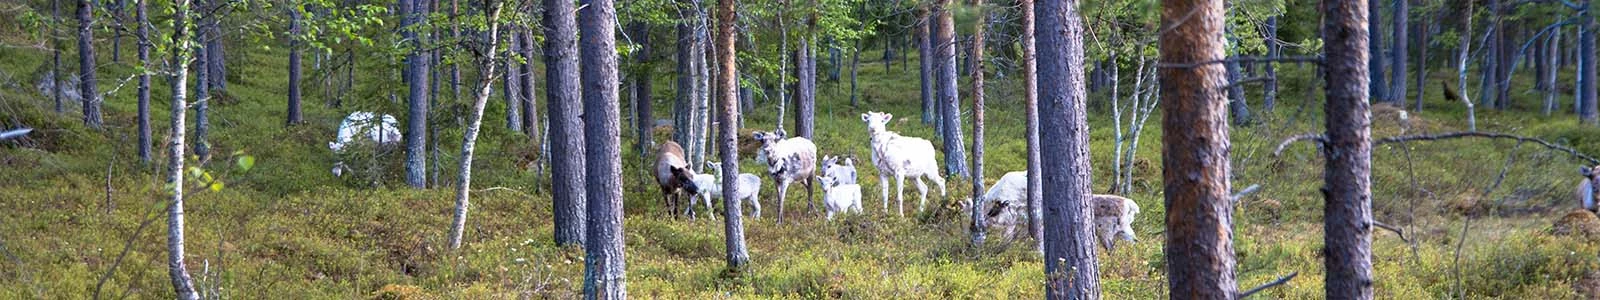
(1391, 228)
(1310, 59)
(1492, 135)
(14, 133)
(1246, 192)
(1280, 281)
(1247, 80)
(1314, 137)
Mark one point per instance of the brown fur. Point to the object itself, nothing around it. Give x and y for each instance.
(673, 175)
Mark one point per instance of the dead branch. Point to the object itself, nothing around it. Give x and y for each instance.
(1314, 137)
(1246, 192)
(1280, 281)
(14, 133)
(1402, 234)
(1491, 135)
(126, 247)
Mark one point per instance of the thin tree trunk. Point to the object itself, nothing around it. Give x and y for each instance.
(143, 32)
(855, 60)
(1402, 12)
(469, 140)
(1463, 52)
(945, 68)
(978, 202)
(806, 88)
(293, 110)
(530, 117)
(1422, 63)
(1551, 55)
(604, 267)
(86, 66)
(513, 90)
(564, 98)
(202, 105)
(925, 57)
(1347, 210)
(182, 283)
(733, 224)
(1069, 254)
(417, 95)
(1274, 50)
(215, 51)
(55, 54)
(783, 64)
(1031, 99)
(642, 88)
(1195, 146)
(1586, 58)
(1379, 88)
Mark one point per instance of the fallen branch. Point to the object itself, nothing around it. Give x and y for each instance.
(1246, 192)
(14, 133)
(1401, 234)
(1280, 281)
(1314, 137)
(1492, 135)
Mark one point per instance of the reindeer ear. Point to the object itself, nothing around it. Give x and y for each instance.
(887, 117)
(848, 162)
(864, 117)
(1585, 170)
(779, 134)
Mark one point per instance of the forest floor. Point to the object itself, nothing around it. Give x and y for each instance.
(75, 199)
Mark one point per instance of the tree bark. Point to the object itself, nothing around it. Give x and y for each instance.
(733, 224)
(530, 118)
(855, 59)
(1551, 55)
(202, 105)
(1347, 210)
(806, 88)
(925, 57)
(293, 110)
(1274, 50)
(1069, 253)
(1402, 12)
(182, 283)
(469, 140)
(1422, 63)
(86, 66)
(55, 54)
(644, 115)
(978, 202)
(417, 95)
(564, 98)
(143, 32)
(604, 268)
(1586, 57)
(948, 98)
(1031, 100)
(1462, 55)
(513, 90)
(1375, 47)
(1195, 147)
(216, 64)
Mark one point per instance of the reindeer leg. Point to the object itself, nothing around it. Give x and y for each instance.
(783, 190)
(899, 193)
(811, 191)
(922, 189)
(883, 183)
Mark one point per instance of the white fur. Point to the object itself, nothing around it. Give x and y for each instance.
(361, 127)
(748, 190)
(840, 197)
(788, 161)
(1012, 191)
(1586, 189)
(901, 157)
(841, 169)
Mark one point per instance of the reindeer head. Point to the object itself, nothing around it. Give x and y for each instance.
(769, 141)
(683, 177)
(876, 121)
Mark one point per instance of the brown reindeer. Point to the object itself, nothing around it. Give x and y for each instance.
(673, 174)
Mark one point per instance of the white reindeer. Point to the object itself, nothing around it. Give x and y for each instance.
(749, 189)
(1113, 215)
(841, 169)
(901, 157)
(1586, 188)
(364, 127)
(789, 160)
(840, 197)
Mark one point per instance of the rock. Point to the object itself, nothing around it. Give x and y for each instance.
(1579, 222)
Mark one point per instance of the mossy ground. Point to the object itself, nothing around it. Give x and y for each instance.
(288, 229)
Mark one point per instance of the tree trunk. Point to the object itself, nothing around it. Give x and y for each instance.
(604, 273)
(469, 140)
(564, 98)
(530, 118)
(644, 117)
(978, 202)
(855, 60)
(293, 111)
(1402, 12)
(1237, 108)
(783, 64)
(925, 57)
(1463, 53)
(55, 54)
(1031, 99)
(1586, 58)
(1375, 47)
(143, 32)
(202, 105)
(86, 66)
(417, 96)
(1274, 50)
(1551, 53)
(733, 224)
(513, 89)
(216, 63)
(945, 69)
(1195, 147)
(1422, 62)
(182, 283)
(806, 88)
(1347, 211)
(1069, 258)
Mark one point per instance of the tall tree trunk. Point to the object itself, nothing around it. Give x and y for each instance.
(143, 32)
(1586, 57)
(1375, 47)
(469, 140)
(1463, 53)
(978, 202)
(1069, 259)
(530, 118)
(855, 59)
(417, 95)
(1422, 62)
(1195, 147)
(293, 111)
(1274, 50)
(513, 89)
(182, 283)
(925, 57)
(216, 63)
(86, 66)
(783, 64)
(55, 54)
(1031, 98)
(1551, 55)
(945, 68)
(1238, 110)
(604, 270)
(644, 117)
(1347, 210)
(806, 88)
(202, 105)
(733, 224)
(1402, 12)
(564, 98)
